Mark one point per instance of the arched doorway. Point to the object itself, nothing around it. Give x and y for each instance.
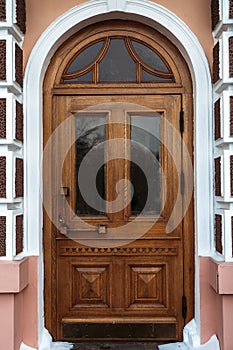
(142, 284)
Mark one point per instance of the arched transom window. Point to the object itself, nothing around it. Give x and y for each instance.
(117, 59)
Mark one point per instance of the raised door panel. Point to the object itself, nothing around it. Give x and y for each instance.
(90, 285)
(147, 286)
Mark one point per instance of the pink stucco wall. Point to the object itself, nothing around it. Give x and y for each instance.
(18, 303)
(216, 298)
(195, 13)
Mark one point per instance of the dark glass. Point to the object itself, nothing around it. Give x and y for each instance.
(117, 65)
(149, 57)
(151, 78)
(145, 130)
(85, 78)
(85, 58)
(90, 133)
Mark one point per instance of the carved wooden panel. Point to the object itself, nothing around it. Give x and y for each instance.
(147, 286)
(87, 251)
(90, 285)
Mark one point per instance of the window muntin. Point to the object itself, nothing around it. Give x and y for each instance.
(117, 59)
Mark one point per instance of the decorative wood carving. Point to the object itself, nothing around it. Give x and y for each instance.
(2, 177)
(3, 118)
(218, 233)
(2, 235)
(73, 251)
(217, 119)
(216, 63)
(90, 285)
(147, 286)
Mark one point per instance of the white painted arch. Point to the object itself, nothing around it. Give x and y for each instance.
(177, 31)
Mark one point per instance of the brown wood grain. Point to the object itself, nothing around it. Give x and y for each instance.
(146, 280)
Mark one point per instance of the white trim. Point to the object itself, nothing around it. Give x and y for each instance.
(175, 29)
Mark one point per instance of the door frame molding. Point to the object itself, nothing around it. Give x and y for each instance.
(178, 32)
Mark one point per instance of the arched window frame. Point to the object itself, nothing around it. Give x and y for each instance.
(159, 44)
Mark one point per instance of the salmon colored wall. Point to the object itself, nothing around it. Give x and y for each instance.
(216, 301)
(30, 305)
(195, 13)
(18, 303)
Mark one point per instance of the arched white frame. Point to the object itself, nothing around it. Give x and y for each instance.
(177, 31)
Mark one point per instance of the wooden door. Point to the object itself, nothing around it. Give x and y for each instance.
(118, 242)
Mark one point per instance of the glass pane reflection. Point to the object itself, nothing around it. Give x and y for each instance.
(149, 57)
(90, 132)
(85, 58)
(145, 130)
(117, 65)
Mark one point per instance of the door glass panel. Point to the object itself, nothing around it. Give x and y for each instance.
(90, 135)
(85, 78)
(149, 57)
(117, 65)
(85, 58)
(146, 176)
(147, 77)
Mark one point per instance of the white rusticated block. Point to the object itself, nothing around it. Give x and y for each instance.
(11, 173)
(10, 100)
(10, 215)
(10, 24)
(227, 176)
(10, 83)
(227, 217)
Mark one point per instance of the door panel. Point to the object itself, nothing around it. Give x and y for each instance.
(119, 278)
